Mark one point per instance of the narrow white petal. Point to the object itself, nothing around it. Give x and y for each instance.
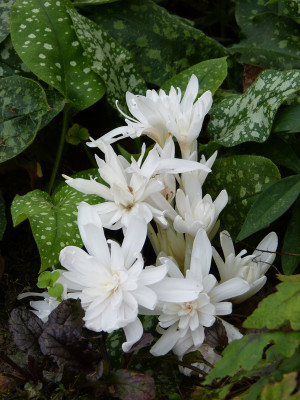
(176, 290)
(201, 255)
(229, 289)
(166, 342)
(133, 333)
(134, 239)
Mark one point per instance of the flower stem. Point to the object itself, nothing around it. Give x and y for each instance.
(60, 147)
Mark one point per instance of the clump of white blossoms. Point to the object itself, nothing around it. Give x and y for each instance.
(185, 321)
(159, 115)
(134, 188)
(163, 196)
(111, 281)
(251, 268)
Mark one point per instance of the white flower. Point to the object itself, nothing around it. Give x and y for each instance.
(251, 268)
(133, 188)
(159, 115)
(208, 354)
(185, 321)
(111, 280)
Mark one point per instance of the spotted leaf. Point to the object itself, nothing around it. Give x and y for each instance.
(162, 44)
(43, 37)
(111, 61)
(5, 10)
(22, 105)
(271, 38)
(249, 117)
(53, 219)
(11, 65)
(244, 177)
(210, 74)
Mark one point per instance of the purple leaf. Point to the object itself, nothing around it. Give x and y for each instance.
(26, 329)
(216, 335)
(65, 346)
(68, 313)
(131, 385)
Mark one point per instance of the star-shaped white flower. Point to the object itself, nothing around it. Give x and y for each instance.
(134, 188)
(159, 115)
(111, 280)
(185, 321)
(251, 268)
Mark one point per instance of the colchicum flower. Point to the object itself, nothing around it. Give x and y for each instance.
(251, 268)
(133, 188)
(195, 211)
(111, 280)
(185, 321)
(159, 115)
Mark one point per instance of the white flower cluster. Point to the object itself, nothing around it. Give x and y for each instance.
(161, 196)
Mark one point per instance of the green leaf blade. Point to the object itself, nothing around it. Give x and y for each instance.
(22, 105)
(48, 45)
(279, 308)
(162, 44)
(291, 243)
(210, 74)
(270, 205)
(249, 117)
(53, 220)
(244, 177)
(113, 63)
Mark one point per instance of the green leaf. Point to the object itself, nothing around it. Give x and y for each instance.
(47, 278)
(293, 8)
(53, 219)
(272, 39)
(281, 390)
(11, 65)
(5, 10)
(244, 177)
(22, 105)
(291, 243)
(270, 205)
(82, 3)
(2, 216)
(56, 290)
(287, 119)
(249, 117)
(162, 44)
(43, 36)
(246, 353)
(280, 307)
(108, 59)
(210, 73)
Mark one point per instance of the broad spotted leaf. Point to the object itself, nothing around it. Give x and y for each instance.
(162, 43)
(244, 177)
(53, 219)
(22, 105)
(113, 63)
(5, 10)
(249, 117)
(44, 38)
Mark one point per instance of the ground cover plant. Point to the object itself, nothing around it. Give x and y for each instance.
(149, 204)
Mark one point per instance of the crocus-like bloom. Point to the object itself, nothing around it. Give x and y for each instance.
(251, 268)
(111, 280)
(133, 188)
(159, 115)
(185, 321)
